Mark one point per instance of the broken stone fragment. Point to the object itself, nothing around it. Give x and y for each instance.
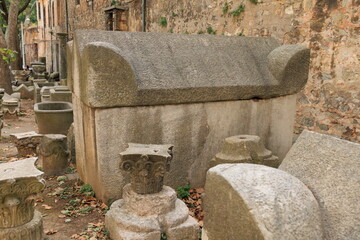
(245, 149)
(27, 142)
(330, 167)
(248, 201)
(53, 153)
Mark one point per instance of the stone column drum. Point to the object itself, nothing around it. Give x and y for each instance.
(19, 182)
(53, 153)
(149, 209)
(245, 149)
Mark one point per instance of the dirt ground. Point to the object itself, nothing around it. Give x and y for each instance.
(69, 207)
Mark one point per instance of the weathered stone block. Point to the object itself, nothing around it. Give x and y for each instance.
(26, 143)
(245, 149)
(60, 94)
(10, 106)
(247, 201)
(25, 92)
(53, 153)
(330, 168)
(38, 86)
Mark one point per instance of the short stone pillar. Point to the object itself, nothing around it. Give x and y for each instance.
(27, 142)
(19, 181)
(245, 149)
(149, 209)
(62, 37)
(53, 153)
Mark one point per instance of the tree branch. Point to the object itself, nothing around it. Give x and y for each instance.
(4, 10)
(26, 4)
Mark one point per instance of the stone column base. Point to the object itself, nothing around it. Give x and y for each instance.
(32, 230)
(166, 214)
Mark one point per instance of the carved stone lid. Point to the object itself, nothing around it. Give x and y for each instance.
(136, 68)
(19, 170)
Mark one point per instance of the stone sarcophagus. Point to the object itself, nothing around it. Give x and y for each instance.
(192, 91)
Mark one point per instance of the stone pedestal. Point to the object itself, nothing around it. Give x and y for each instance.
(147, 216)
(245, 149)
(53, 153)
(19, 181)
(27, 142)
(39, 69)
(11, 108)
(149, 209)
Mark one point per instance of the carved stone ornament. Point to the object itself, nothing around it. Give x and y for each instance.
(20, 181)
(147, 165)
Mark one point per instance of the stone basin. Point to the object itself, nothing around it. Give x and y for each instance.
(53, 117)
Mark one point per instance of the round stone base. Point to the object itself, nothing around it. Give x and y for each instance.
(32, 230)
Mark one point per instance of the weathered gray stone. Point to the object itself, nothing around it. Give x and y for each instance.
(330, 168)
(60, 94)
(247, 201)
(70, 138)
(69, 63)
(25, 92)
(38, 86)
(27, 142)
(157, 68)
(147, 165)
(53, 117)
(19, 181)
(245, 149)
(45, 93)
(146, 216)
(39, 69)
(10, 106)
(62, 37)
(53, 153)
(197, 129)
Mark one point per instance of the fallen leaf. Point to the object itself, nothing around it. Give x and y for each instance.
(50, 232)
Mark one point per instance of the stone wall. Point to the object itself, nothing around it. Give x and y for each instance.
(330, 103)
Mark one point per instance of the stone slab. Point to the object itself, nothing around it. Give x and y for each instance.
(330, 167)
(19, 169)
(159, 68)
(248, 201)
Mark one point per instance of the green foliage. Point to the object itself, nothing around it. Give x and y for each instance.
(186, 32)
(238, 11)
(87, 190)
(225, 9)
(163, 21)
(183, 192)
(8, 55)
(210, 30)
(85, 210)
(241, 34)
(200, 32)
(163, 236)
(173, 14)
(254, 1)
(116, 3)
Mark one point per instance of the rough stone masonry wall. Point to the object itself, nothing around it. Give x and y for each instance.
(330, 103)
